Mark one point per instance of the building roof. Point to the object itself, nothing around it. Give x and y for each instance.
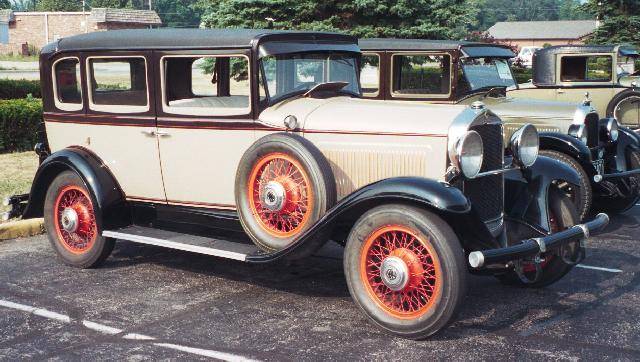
(108, 15)
(136, 39)
(6, 16)
(471, 49)
(565, 29)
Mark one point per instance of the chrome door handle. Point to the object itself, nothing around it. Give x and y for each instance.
(560, 91)
(162, 134)
(149, 133)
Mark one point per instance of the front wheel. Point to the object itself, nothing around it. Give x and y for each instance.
(581, 195)
(562, 215)
(405, 269)
(620, 205)
(71, 223)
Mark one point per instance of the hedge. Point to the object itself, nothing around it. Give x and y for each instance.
(523, 75)
(19, 88)
(20, 121)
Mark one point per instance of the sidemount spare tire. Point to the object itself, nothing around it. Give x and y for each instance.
(283, 186)
(625, 107)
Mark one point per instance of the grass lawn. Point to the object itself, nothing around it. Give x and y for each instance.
(16, 174)
(18, 58)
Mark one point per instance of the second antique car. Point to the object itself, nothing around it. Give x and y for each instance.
(255, 145)
(609, 73)
(606, 156)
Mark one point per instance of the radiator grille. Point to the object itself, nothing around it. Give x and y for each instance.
(487, 193)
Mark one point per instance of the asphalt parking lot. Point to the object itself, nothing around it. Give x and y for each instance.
(152, 303)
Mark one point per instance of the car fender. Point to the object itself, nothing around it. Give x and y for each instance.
(109, 201)
(570, 146)
(446, 201)
(527, 190)
(618, 152)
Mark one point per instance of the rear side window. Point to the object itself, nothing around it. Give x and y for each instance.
(421, 75)
(118, 85)
(67, 84)
(206, 86)
(370, 74)
(597, 68)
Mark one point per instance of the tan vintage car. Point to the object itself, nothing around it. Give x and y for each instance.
(255, 145)
(606, 156)
(610, 74)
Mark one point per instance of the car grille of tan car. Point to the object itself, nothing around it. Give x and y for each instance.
(487, 193)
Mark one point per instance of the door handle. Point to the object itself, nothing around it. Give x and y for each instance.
(149, 133)
(560, 91)
(162, 134)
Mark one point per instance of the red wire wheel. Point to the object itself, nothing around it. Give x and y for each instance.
(401, 271)
(74, 219)
(555, 227)
(280, 195)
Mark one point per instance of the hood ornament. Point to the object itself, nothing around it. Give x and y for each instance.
(477, 105)
(587, 99)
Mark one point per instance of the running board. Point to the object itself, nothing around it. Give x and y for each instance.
(185, 242)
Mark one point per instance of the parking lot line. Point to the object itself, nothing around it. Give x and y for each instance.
(598, 268)
(105, 329)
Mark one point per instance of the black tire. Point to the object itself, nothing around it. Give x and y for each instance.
(448, 257)
(619, 99)
(620, 205)
(83, 250)
(562, 207)
(583, 196)
(318, 193)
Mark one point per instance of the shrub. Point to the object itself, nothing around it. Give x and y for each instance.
(20, 121)
(523, 75)
(18, 89)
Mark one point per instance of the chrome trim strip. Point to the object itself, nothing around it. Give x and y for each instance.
(173, 245)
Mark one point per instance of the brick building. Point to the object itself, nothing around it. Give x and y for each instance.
(539, 33)
(21, 31)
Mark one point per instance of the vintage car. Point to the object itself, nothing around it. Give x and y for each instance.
(255, 145)
(609, 73)
(606, 156)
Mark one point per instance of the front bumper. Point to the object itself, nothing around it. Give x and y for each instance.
(535, 246)
(598, 178)
(17, 203)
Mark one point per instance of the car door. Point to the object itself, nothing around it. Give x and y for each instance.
(581, 74)
(119, 120)
(205, 125)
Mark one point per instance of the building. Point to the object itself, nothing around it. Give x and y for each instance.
(26, 32)
(539, 33)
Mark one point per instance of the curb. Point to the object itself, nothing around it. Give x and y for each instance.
(21, 229)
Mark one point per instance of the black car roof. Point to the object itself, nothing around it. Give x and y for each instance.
(561, 49)
(137, 39)
(472, 49)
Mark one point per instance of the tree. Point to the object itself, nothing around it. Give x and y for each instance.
(619, 21)
(178, 13)
(493, 11)
(59, 5)
(115, 4)
(5, 4)
(449, 19)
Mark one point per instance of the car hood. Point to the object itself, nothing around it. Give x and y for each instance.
(508, 107)
(345, 114)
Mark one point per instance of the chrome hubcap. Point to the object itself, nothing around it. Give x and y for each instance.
(274, 195)
(69, 220)
(394, 273)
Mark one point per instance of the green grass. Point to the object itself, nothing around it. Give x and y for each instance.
(16, 174)
(18, 58)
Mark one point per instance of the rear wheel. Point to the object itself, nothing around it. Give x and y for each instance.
(581, 195)
(562, 216)
(619, 205)
(405, 269)
(71, 223)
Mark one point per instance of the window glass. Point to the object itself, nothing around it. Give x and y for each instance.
(586, 69)
(483, 74)
(370, 74)
(118, 81)
(628, 66)
(214, 85)
(67, 79)
(421, 74)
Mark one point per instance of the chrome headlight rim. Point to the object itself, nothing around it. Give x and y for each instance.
(613, 129)
(525, 145)
(468, 154)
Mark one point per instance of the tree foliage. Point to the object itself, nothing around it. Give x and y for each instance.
(620, 21)
(58, 5)
(449, 19)
(178, 13)
(493, 11)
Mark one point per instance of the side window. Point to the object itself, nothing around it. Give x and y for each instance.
(586, 69)
(370, 74)
(213, 86)
(421, 75)
(67, 85)
(118, 85)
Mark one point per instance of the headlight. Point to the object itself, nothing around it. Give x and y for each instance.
(579, 132)
(525, 145)
(612, 129)
(468, 154)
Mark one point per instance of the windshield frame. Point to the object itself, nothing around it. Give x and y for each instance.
(269, 100)
(472, 92)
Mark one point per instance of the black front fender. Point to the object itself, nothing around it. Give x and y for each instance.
(527, 191)
(107, 196)
(618, 152)
(568, 145)
(446, 201)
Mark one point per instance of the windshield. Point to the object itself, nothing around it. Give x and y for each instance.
(292, 74)
(485, 73)
(628, 66)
